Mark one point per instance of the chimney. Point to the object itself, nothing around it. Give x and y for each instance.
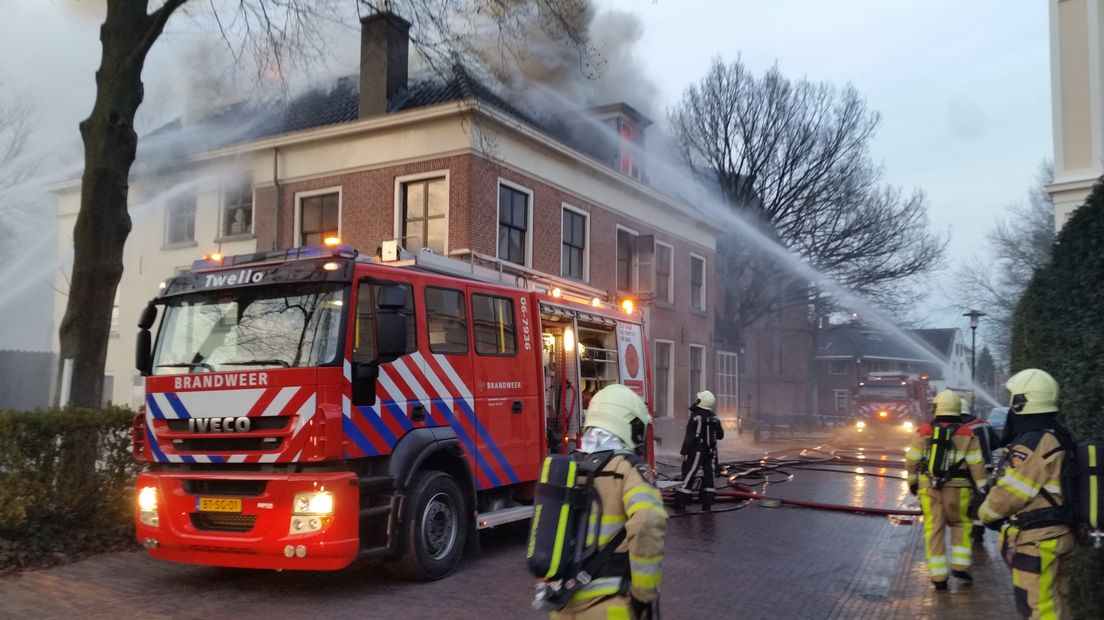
(384, 50)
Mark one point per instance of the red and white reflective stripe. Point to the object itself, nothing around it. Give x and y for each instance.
(462, 389)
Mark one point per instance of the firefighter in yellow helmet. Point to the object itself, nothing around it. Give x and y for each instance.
(1025, 503)
(617, 419)
(945, 467)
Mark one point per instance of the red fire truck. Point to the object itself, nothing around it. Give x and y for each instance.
(310, 407)
(886, 400)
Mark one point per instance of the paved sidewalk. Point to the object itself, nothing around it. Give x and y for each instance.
(769, 563)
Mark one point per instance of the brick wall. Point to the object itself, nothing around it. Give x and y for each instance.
(368, 215)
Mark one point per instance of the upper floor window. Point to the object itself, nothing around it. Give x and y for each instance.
(634, 261)
(424, 211)
(837, 367)
(574, 245)
(237, 210)
(513, 224)
(319, 217)
(664, 270)
(697, 283)
(180, 220)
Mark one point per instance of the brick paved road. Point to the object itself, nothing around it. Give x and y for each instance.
(753, 563)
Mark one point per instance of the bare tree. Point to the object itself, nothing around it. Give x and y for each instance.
(1016, 247)
(793, 157)
(16, 165)
(273, 34)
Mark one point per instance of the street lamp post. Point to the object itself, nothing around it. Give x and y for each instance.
(974, 316)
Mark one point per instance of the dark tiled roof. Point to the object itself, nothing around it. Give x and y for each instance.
(858, 340)
(939, 339)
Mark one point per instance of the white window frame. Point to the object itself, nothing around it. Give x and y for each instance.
(726, 400)
(299, 196)
(836, 399)
(586, 241)
(670, 372)
(704, 369)
(187, 243)
(422, 176)
(528, 223)
(670, 273)
(704, 294)
(222, 213)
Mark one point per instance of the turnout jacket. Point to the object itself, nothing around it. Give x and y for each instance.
(703, 430)
(966, 454)
(1032, 465)
(629, 500)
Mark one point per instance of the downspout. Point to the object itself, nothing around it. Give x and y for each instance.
(279, 196)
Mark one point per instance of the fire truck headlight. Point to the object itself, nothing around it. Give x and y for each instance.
(147, 499)
(314, 503)
(860, 424)
(907, 425)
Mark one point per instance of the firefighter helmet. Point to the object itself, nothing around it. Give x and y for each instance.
(617, 409)
(1033, 391)
(706, 400)
(947, 402)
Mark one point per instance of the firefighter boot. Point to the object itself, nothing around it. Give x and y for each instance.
(966, 578)
(707, 500)
(682, 498)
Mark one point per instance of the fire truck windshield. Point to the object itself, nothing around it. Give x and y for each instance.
(883, 392)
(277, 327)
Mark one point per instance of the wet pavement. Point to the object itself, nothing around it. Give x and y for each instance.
(755, 562)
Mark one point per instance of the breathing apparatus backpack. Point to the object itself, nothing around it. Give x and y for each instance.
(938, 459)
(566, 507)
(1082, 482)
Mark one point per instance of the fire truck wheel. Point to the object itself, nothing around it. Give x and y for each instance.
(434, 528)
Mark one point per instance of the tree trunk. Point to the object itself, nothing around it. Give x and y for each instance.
(103, 222)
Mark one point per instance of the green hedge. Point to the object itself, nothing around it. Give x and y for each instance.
(66, 484)
(1059, 327)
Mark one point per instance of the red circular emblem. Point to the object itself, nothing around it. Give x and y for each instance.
(632, 360)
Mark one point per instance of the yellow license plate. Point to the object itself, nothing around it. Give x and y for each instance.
(220, 504)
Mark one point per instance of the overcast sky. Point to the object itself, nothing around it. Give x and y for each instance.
(963, 87)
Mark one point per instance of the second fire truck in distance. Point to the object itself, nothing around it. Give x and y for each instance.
(310, 407)
(887, 401)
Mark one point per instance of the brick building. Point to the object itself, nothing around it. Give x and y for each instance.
(441, 163)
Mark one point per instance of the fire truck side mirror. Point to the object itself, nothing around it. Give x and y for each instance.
(392, 297)
(143, 355)
(148, 316)
(390, 336)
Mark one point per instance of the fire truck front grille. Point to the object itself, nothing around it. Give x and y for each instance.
(232, 488)
(223, 521)
(268, 423)
(228, 444)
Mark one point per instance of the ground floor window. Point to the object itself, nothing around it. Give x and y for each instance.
(840, 397)
(662, 378)
(727, 380)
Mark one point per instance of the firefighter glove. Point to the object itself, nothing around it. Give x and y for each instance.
(995, 525)
(914, 488)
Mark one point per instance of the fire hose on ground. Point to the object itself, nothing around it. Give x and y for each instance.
(743, 475)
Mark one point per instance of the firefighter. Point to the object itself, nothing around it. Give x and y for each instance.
(1035, 540)
(617, 420)
(987, 441)
(945, 473)
(699, 453)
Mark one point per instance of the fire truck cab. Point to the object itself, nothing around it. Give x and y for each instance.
(309, 407)
(890, 401)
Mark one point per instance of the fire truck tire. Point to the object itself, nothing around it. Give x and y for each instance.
(434, 527)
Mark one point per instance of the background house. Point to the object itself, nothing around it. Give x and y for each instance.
(851, 350)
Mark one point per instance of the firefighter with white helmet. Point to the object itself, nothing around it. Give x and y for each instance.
(699, 453)
(628, 587)
(945, 466)
(1027, 502)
